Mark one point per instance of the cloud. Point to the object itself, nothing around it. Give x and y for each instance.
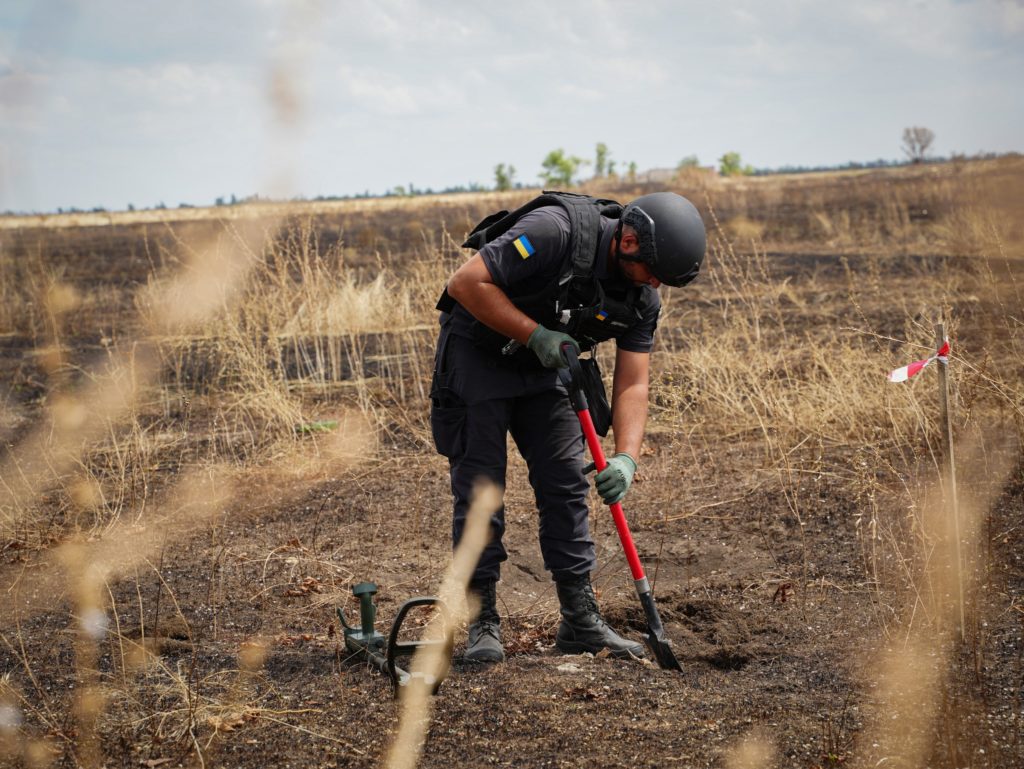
(174, 84)
(441, 88)
(579, 93)
(390, 95)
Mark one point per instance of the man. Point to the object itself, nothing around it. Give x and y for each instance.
(563, 269)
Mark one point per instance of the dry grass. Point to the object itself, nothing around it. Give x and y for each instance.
(247, 338)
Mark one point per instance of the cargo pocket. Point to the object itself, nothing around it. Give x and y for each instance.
(448, 425)
(447, 407)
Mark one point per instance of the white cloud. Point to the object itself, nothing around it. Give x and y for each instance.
(174, 84)
(579, 93)
(435, 91)
(383, 95)
(743, 16)
(390, 95)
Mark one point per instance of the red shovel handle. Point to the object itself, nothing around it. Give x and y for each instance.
(594, 443)
(579, 401)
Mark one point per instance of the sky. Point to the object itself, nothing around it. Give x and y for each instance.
(111, 102)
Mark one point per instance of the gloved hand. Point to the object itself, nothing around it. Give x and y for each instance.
(547, 345)
(613, 482)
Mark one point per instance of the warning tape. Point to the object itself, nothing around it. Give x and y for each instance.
(904, 373)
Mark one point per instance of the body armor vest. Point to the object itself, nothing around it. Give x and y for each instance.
(576, 303)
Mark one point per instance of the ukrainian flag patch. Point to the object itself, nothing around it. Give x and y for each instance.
(524, 246)
(601, 315)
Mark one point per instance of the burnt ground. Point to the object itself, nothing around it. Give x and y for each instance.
(770, 645)
(774, 617)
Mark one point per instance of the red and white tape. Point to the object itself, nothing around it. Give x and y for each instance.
(903, 374)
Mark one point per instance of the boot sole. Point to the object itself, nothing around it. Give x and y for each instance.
(483, 659)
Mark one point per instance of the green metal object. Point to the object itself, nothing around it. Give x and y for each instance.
(365, 638)
(365, 643)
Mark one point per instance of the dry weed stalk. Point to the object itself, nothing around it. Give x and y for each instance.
(48, 453)
(416, 703)
(913, 672)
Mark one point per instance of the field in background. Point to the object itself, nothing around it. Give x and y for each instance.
(214, 426)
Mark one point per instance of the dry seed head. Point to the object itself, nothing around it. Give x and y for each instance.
(90, 702)
(10, 748)
(68, 413)
(86, 493)
(85, 575)
(41, 754)
(10, 739)
(354, 440)
(251, 655)
(51, 358)
(61, 298)
(753, 751)
(211, 282)
(137, 657)
(203, 494)
(908, 693)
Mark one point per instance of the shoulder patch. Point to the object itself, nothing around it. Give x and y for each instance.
(524, 246)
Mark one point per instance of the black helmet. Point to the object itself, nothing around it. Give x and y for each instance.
(671, 235)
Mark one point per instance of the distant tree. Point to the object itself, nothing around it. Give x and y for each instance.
(611, 169)
(916, 142)
(600, 159)
(559, 168)
(503, 176)
(131, 207)
(690, 161)
(161, 206)
(731, 164)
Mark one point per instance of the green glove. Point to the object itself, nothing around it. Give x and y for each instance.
(547, 345)
(613, 482)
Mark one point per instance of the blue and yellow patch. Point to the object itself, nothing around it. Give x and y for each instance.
(524, 246)
(601, 315)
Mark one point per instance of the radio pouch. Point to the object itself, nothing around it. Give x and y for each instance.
(593, 388)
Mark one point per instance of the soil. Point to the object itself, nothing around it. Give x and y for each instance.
(778, 626)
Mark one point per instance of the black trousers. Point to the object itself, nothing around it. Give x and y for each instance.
(477, 400)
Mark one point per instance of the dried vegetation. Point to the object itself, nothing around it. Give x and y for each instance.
(169, 384)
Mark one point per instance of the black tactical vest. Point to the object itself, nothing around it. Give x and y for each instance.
(576, 303)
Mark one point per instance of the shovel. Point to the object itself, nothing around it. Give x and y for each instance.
(572, 378)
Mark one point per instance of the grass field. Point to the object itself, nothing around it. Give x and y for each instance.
(215, 423)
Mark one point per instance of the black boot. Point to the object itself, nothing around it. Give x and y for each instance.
(582, 628)
(484, 644)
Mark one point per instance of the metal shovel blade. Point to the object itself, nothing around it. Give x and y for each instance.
(655, 637)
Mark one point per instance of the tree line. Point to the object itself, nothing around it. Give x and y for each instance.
(560, 170)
